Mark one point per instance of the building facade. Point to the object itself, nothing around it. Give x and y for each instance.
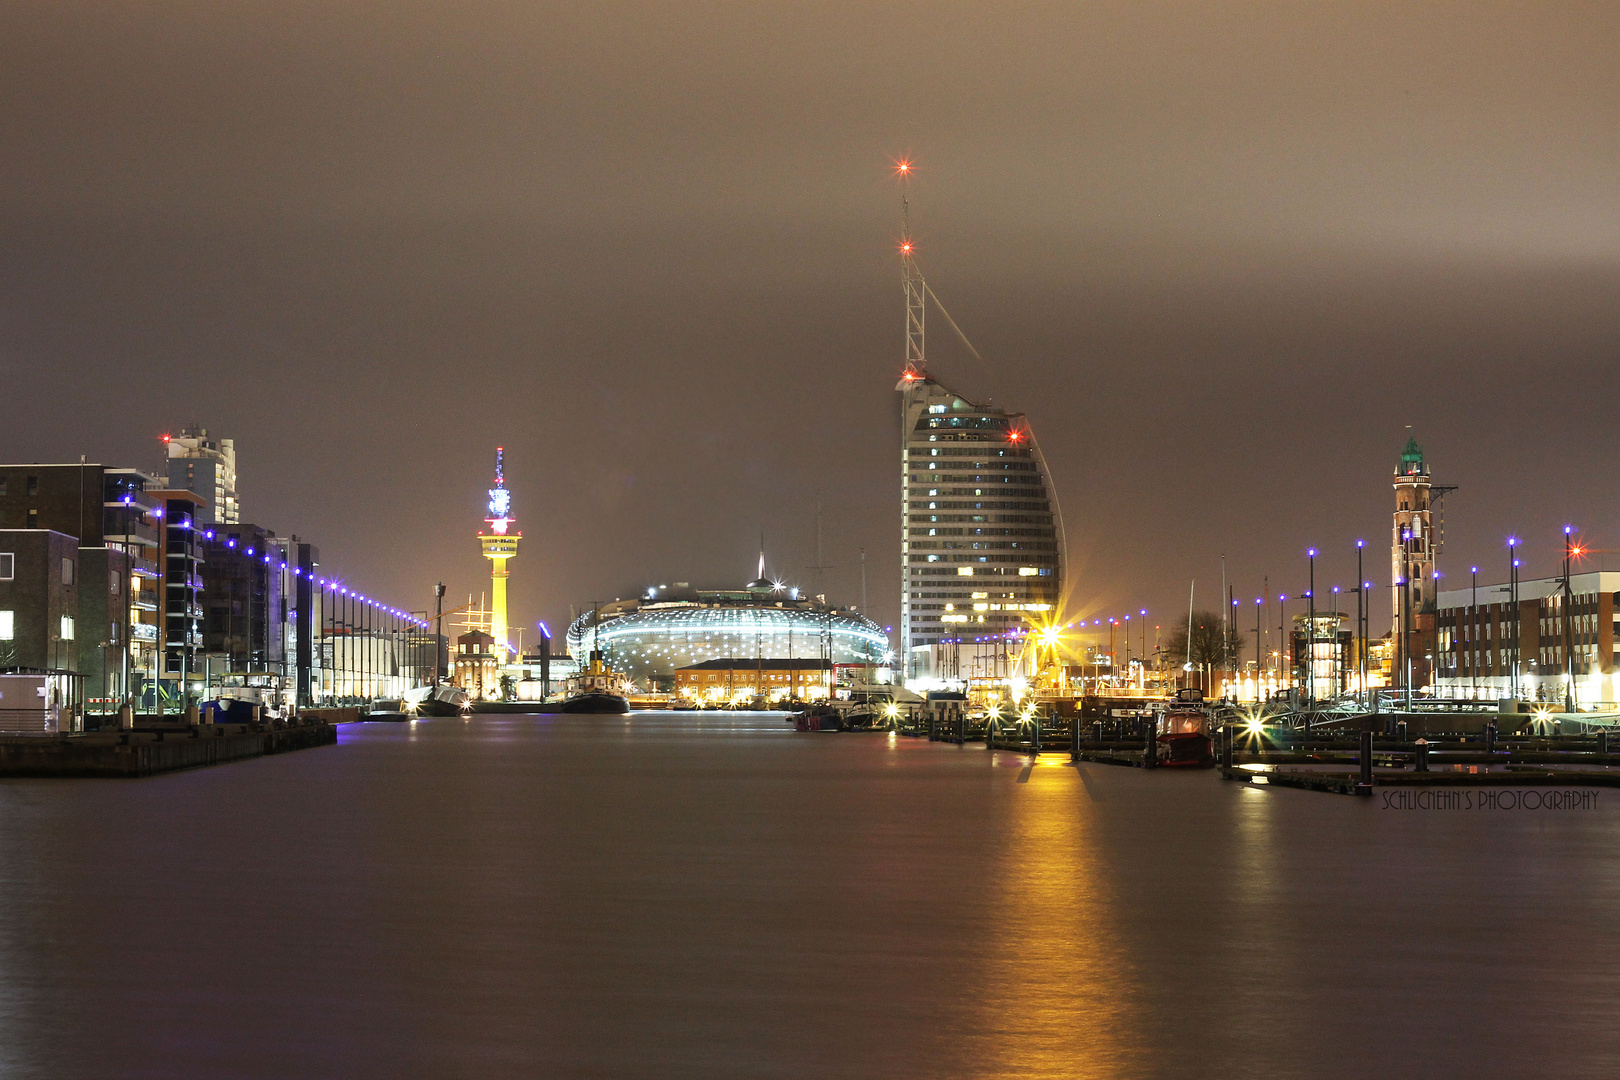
(731, 679)
(201, 463)
(476, 669)
(669, 627)
(244, 599)
(112, 518)
(1414, 549)
(39, 600)
(154, 595)
(1554, 638)
(981, 543)
(180, 612)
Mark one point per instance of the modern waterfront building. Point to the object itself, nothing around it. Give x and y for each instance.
(145, 592)
(675, 626)
(245, 599)
(111, 517)
(180, 613)
(981, 538)
(981, 541)
(1486, 644)
(39, 600)
(1323, 653)
(201, 463)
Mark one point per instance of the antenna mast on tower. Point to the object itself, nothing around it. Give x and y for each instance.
(911, 278)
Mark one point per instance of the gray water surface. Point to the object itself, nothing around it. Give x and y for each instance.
(670, 895)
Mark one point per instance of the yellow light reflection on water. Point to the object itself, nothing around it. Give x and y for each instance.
(1059, 986)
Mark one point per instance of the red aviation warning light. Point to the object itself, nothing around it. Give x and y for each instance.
(902, 167)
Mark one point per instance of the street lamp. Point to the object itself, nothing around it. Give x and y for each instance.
(1310, 631)
(1513, 605)
(1473, 618)
(1569, 605)
(1143, 624)
(1405, 609)
(1333, 647)
(1361, 603)
(1259, 657)
(1282, 622)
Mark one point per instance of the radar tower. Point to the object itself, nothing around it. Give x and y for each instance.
(499, 545)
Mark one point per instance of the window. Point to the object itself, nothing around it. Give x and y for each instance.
(33, 485)
(33, 519)
(2, 485)
(112, 633)
(113, 582)
(8, 566)
(8, 625)
(67, 628)
(67, 571)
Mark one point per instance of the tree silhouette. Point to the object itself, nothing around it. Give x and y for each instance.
(1207, 647)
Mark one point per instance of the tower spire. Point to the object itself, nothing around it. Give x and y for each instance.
(499, 545)
(911, 280)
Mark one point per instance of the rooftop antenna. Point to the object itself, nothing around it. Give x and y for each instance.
(820, 567)
(912, 280)
(761, 554)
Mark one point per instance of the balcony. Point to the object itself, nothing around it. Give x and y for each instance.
(142, 632)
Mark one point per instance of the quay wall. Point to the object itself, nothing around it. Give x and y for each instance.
(92, 756)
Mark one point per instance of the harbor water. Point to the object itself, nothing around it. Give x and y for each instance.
(713, 895)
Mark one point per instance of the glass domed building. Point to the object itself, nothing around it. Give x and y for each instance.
(676, 626)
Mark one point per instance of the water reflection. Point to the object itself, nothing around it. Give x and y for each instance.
(1057, 991)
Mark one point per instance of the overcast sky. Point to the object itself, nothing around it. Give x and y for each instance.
(1221, 253)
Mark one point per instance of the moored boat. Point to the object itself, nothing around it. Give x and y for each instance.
(593, 701)
(1183, 733)
(445, 699)
(595, 689)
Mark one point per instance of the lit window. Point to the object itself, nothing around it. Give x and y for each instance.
(67, 628)
(8, 625)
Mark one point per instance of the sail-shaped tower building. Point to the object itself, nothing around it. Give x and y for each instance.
(981, 538)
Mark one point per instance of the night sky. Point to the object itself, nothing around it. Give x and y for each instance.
(1221, 253)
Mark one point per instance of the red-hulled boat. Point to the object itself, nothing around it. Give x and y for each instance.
(1183, 733)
